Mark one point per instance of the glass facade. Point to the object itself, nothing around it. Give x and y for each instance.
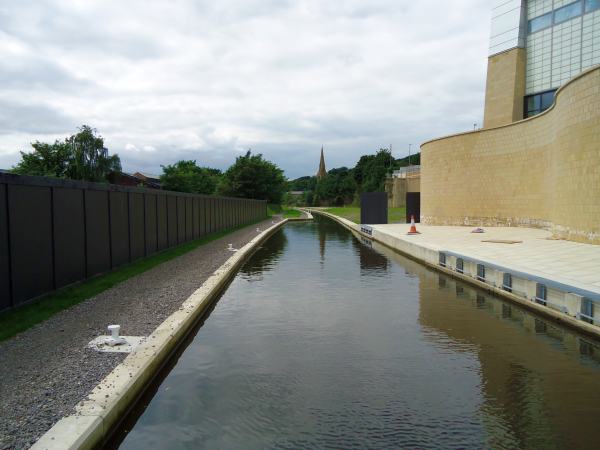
(562, 40)
(537, 103)
(592, 5)
(568, 12)
(539, 23)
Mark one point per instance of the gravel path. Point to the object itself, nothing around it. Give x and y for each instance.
(46, 370)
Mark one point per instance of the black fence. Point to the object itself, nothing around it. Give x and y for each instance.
(56, 232)
(373, 208)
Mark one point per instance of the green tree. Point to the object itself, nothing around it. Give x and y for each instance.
(415, 160)
(251, 176)
(187, 176)
(337, 188)
(79, 157)
(371, 170)
(90, 159)
(46, 160)
(303, 184)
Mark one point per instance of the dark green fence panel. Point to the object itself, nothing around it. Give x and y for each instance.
(30, 222)
(5, 294)
(69, 235)
(189, 222)
(172, 220)
(57, 232)
(97, 232)
(119, 228)
(137, 244)
(196, 218)
(180, 219)
(150, 224)
(162, 228)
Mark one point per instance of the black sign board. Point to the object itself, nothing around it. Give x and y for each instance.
(373, 208)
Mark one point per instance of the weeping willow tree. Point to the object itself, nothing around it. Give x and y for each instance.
(90, 160)
(79, 157)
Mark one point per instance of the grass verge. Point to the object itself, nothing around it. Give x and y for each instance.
(285, 211)
(18, 320)
(352, 213)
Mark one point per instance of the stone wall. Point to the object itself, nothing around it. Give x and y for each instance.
(505, 88)
(397, 188)
(541, 172)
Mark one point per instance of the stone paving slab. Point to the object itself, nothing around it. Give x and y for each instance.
(571, 263)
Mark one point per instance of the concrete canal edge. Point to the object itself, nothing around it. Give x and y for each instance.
(430, 258)
(108, 403)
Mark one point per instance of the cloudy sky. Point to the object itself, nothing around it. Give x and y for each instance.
(206, 80)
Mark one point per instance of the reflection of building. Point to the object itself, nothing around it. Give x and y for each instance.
(371, 261)
(543, 171)
(524, 372)
(536, 46)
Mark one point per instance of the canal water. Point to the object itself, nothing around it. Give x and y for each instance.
(324, 340)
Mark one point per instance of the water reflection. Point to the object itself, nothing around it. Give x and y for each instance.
(372, 262)
(324, 341)
(535, 392)
(265, 257)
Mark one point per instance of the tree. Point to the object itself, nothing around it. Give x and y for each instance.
(303, 184)
(337, 188)
(79, 157)
(90, 159)
(46, 160)
(187, 176)
(371, 170)
(251, 176)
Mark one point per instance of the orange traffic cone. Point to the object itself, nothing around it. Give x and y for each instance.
(413, 227)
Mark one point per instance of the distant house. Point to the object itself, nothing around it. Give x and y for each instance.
(137, 179)
(296, 193)
(149, 179)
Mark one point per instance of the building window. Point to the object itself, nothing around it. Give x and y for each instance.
(480, 272)
(592, 5)
(537, 103)
(460, 265)
(540, 293)
(587, 309)
(567, 12)
(539, 23)
(442, 259)
(507, 282)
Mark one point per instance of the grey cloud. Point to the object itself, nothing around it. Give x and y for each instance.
(34, 119)
(205, 80)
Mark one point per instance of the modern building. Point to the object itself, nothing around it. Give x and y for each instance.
(536, 46)
(536, 161)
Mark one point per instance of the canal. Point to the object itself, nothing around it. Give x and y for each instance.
(324, 340)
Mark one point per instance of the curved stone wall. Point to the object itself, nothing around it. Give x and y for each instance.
(541, 172)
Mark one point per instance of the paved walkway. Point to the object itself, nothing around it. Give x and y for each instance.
(565, 262)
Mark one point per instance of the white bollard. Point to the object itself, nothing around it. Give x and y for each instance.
(114, 338)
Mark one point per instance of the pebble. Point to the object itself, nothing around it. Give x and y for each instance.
(46, 371)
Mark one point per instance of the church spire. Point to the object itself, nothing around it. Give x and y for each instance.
(322, 172)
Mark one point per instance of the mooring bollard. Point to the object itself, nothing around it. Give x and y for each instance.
(114, 338)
